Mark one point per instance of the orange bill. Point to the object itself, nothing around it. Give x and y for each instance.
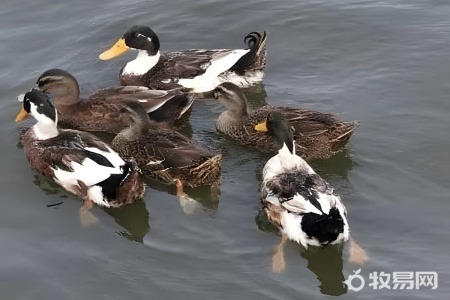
(261, 127)
(116, 50)
(21, 115)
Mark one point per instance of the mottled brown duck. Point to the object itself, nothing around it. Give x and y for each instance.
(99, 112)
(317, 134)
(163, 153)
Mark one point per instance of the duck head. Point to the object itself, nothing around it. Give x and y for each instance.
(60, 84)
(134, 116)
(40, 106)
(232, 97)
(278, 127)
(136, 38)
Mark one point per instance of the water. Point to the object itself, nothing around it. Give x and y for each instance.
(383, 63)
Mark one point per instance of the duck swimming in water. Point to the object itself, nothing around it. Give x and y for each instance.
(201, 70)
(165, 154)
(79, 162)
(302, 205)
(317, 134)
(99, 112)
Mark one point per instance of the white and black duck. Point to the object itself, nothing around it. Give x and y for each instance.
(301, 204)
(201, 70)
(77, 161)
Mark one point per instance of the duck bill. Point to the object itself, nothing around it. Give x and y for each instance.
(21, 115)
(116, 50)
(262, 127)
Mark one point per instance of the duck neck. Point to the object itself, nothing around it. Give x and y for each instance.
(142, 63)
(238, 110)
(45, 129)
(135, 131)
(65, 94)
(67, 100)
(286, 157)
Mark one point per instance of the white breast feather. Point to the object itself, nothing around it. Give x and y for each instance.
(141, 64)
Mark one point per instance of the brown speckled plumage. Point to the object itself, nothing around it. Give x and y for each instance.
(317, 134)
(99, 112)
(165, 154)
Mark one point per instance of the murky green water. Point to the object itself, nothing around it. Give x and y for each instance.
(383, 63)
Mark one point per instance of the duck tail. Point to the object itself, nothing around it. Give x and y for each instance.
(207, 173)
(343, 135)
(255, 59)
(132, 186)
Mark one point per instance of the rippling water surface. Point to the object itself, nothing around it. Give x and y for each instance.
(383, 63)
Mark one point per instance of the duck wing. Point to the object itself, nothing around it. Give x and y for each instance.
(83, 155)
(174, 149)
(188, 64)
(317, 134)
(151, 100)
(300, 193)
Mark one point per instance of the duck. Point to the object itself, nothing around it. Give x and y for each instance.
(77, 161)
(197, 69)
(317, 134)
(99, 112)
(165, 154)
(296, 199)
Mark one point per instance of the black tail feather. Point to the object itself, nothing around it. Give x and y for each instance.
(110, 184)
(255, 59)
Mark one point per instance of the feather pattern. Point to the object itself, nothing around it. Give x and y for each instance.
(99, 112)
(163, 153)
(297, 200)
(198, 69)
(317, 134)
(80, 162)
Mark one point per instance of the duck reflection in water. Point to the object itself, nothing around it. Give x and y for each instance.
(326, 262)
(133, 218)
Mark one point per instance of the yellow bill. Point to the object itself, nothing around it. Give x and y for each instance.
(261, 126)
(21, 115)
(116, 50)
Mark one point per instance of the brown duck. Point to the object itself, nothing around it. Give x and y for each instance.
(77, 161)
(317, 134)
(99, 111)
(163, 153)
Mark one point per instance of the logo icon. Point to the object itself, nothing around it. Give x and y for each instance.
(356, 276)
